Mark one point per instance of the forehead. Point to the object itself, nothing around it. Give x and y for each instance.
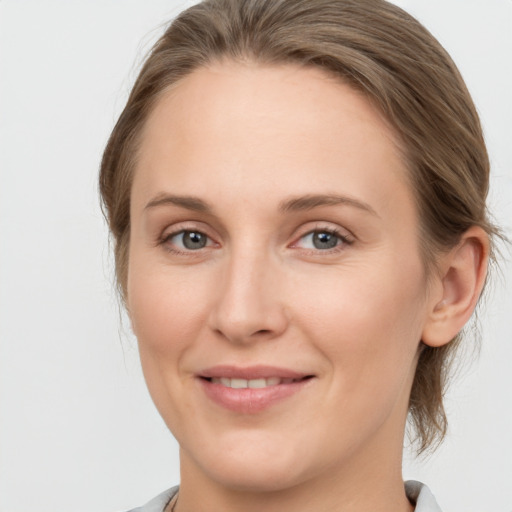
(287, 99)
(254, 129)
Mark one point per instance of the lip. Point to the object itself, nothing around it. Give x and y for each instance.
(251, 372)
(251, 400)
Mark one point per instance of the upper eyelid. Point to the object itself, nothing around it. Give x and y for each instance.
(327, 227)
(178, 227)
(304, 230)
(343, 238)
(167, 236)
(164, 236)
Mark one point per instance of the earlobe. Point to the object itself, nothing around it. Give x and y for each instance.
(461, 280)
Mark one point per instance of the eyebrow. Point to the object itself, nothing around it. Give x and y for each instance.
(309, 202)
(295, 204)
(187, 202)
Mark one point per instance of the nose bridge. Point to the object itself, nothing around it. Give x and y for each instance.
(248, 304)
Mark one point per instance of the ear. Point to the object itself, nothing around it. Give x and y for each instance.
(458, 287)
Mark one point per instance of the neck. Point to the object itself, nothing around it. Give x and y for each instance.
(365, 482)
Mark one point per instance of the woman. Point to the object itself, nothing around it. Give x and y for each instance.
(296, 190)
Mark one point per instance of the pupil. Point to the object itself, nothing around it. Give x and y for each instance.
(324, 240)
(192, 240)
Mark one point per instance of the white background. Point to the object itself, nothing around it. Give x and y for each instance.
(78, 431)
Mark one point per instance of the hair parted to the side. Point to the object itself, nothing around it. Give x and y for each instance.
(378, 49)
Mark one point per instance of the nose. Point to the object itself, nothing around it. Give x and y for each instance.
(249, 305)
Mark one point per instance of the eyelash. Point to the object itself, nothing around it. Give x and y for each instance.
(164, 242)
(343, 241)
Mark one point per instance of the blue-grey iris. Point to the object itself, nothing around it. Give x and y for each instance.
(193, 240)
(324, 240)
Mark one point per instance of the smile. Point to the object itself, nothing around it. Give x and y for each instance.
(251, 390)
(251, 383)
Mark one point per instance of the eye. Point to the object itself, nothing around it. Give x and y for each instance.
(187, 240)
(322, 240)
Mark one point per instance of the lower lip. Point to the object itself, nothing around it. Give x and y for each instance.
(251, 400)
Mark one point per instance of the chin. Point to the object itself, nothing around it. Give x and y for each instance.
(244, 476)
(254, 463)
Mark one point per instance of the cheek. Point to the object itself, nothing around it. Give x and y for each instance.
(367, 321)
(166, 310)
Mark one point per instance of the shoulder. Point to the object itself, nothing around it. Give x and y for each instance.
(419, 495)
(159, 503)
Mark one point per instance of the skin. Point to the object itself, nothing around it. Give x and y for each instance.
(244, 138)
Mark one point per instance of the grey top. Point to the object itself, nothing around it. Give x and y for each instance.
(418, 493)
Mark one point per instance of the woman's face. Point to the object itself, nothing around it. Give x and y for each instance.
(275, 283)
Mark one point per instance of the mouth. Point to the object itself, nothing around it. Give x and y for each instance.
(259, 383)
(251, 390)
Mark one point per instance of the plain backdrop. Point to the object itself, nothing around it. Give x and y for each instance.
(78, 431)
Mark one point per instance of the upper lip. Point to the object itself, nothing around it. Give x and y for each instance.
(251, 372)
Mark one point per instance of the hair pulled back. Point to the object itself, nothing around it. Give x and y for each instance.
(379, 50)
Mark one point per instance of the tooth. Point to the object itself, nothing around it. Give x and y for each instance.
(238, 383)
(250, 383)
(257, 383)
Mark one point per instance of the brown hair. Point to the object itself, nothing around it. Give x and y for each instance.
(378, 49)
